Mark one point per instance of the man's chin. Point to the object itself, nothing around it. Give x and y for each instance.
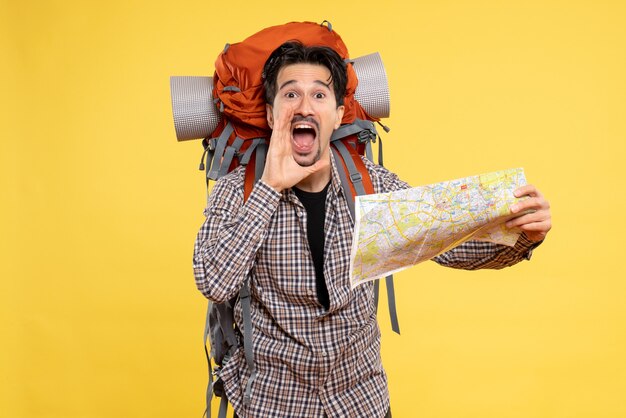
(306, 163)
(307, 160)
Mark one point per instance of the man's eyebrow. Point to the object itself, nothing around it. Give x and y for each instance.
(288, 82)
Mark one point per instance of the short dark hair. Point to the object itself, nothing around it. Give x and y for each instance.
(294, 52)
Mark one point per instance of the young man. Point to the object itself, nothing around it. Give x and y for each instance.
(316, 342)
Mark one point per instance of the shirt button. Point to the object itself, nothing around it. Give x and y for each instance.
(324, 354)
(310, 292)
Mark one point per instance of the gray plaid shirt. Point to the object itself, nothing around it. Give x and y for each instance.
(310, 362)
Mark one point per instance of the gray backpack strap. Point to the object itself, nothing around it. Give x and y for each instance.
(223, 408)
(368, 151)
(222, 142)
(227, 322)
(344, 182)
(222, 314)
(353, 172)
(229, 154)
(209, 389)
(245, 158)
(363, 128)
(244, 297)
(391, 301)
(376, 292)
(340, 152)
(209, 147)
(261, 153)
(391, 294)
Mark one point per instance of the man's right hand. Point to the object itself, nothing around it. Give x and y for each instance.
(281, 169)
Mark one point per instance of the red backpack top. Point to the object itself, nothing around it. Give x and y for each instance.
(238, 85)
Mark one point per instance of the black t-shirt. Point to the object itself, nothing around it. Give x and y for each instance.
(315, 206)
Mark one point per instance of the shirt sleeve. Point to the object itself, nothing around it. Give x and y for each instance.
(227, 243)
(474, 255)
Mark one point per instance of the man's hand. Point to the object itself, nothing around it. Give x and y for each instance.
(535, 221)
(281, 169)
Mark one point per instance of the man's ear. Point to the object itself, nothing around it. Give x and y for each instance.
(340, 110)
(270, 115)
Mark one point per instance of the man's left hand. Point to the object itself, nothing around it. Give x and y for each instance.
(535, 220)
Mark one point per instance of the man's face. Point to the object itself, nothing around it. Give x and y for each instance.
(308, 90)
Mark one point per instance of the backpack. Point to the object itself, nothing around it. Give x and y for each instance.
(228, 112)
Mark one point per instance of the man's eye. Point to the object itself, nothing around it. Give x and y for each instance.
(290, 95)
(319, 95)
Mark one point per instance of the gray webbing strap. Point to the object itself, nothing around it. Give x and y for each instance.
(209, 389)
(245, 159)
(259, 163)
(376, 290)
(345, 155)
(355, 177)
(391, 301)
(244, 297)
(368, 151)
(222, 141)
(355, 127)
(344, 131)
(207, 144)
(223, 407)
(227, 321)
(344, 183)
(391, 294)
(228, 156)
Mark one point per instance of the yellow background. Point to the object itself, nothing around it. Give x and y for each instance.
(100, 204)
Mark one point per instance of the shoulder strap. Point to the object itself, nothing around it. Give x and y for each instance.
(244, 297)
(209, 388)
(360, 183)
(226, 320)
(352, 164)
(220, 147)
(254, 168)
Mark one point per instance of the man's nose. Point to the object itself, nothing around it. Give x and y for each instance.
(304, 107)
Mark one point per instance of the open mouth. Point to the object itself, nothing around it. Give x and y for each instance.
(303, 135)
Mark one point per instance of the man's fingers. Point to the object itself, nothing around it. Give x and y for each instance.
(280, 142)
(534, 213)
(283, 120)
(531, 204)
(543, 226)
(528, 218)
(527, 190)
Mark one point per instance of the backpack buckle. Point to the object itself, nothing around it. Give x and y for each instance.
(366, 136)
(356, 177)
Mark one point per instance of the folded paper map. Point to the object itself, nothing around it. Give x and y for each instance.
(397, 230)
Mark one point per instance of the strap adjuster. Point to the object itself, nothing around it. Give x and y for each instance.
(211, 144)
(356, 177)
(365, 136)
